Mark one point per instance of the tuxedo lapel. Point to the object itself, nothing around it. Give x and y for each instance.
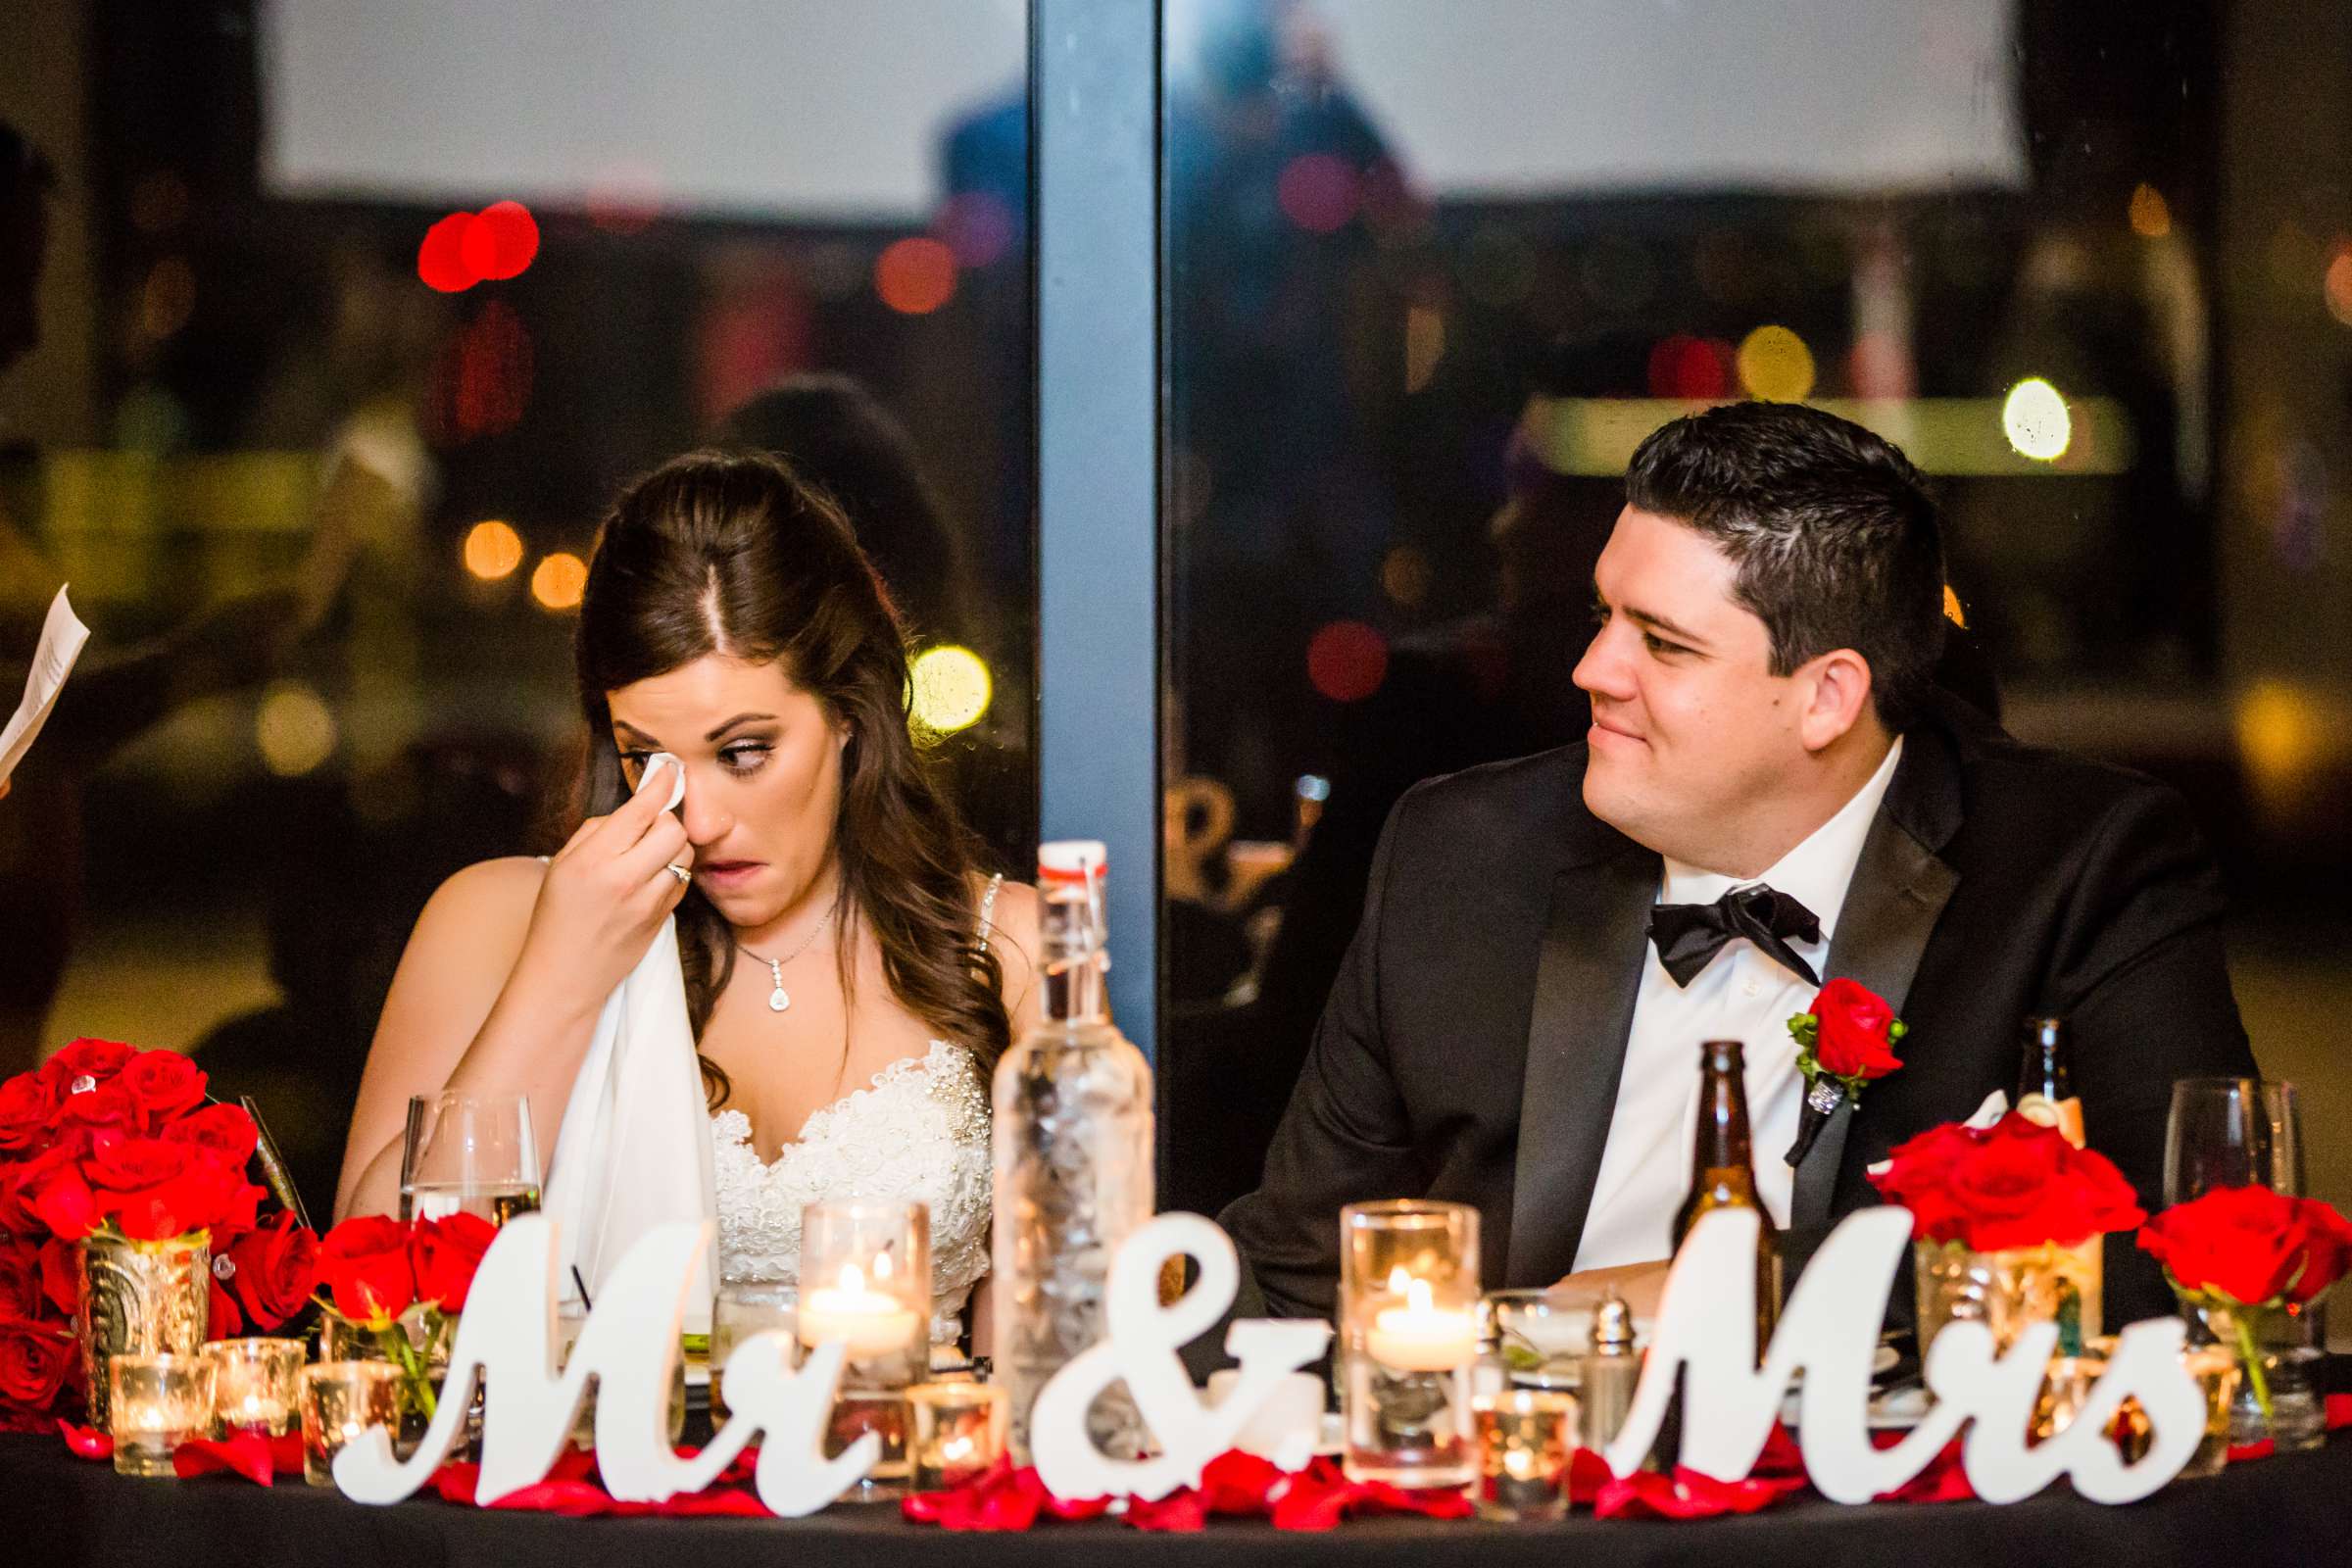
(1587, 976)
(1898, 891)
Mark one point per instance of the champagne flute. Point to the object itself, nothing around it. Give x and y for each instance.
(469, 1153)
(2233, 1132)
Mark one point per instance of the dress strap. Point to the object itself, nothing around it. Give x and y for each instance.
(988, 909)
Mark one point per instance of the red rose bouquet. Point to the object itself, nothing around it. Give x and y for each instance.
(1843, 1041)
(2007, 1220)
(2239, 1255)
(404, 1283)
(107, 1143)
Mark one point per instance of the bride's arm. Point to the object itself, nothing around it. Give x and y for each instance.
(452, 977)
(1013, 940)
(503, 979)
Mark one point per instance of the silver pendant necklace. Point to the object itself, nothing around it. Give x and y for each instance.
(779, 999)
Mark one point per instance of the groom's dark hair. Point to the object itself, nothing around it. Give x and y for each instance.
(1832, 528)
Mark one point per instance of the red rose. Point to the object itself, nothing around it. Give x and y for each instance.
(226, 1130)
(447, 1251)
(155, 1188)
(2014, 1184)
(2251, 1245)
(61, 1274)
(162, 1085)
(102, 1107)
(22, 1183)
(1853, 1037)
(88, 1058)
(67, 1206)
(364, 1264)
(223, 1319)
(28, 1108)
(21, 1296)
(32, 1364)
(273, 1269)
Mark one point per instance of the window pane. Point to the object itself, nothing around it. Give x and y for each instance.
(1434, 271)
(439, 278)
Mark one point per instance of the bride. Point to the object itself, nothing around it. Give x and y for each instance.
(848, 977)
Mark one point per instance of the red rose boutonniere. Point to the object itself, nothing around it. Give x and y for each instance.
(1843, 1041)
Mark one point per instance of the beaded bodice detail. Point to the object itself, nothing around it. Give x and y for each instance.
(919, 1130)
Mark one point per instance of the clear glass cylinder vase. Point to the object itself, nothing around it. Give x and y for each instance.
(139, 1299)
(2278, 1350)
(428, 1337)
(2010, 1289)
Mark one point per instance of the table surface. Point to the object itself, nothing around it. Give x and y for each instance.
(58, 1512)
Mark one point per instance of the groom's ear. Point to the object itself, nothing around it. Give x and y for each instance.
(1833, 692)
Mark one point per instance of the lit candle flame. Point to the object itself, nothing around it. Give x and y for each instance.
(1398, 1280)
(853, 1280)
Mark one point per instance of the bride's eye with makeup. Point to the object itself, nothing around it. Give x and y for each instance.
(743, 758)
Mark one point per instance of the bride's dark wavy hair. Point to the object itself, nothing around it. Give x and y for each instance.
(735, 554)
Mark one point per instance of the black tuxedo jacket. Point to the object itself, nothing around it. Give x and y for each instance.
(1473, 1041)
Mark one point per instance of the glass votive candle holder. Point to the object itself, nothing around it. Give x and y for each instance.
(155, 1403)
(2217, 1371)
(1409, 1325)
(744, 1309)
(340, 1399)
(1524, 1439)
(1536, 1339)
(866, 1285)
(956, 1432)
(256, 1384)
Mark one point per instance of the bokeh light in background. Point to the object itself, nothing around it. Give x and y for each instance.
(2151, 217)
(169, 298)
(493, 550)
(1951, 608)
(2034, 418)
(559, 580)
(951, 688)
(1347, 660)
(915, 276)
(1405, 576)
(2337, 286)
(467, 248)
(1776, 366)
(1317, 192)
(1695, 369)
(294, 729)
(976, 227)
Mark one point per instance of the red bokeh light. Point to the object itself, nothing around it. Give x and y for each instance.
(1692, 369)
(501, 242)
(1317, 191)
(441, 259)
(468, 248)
(915, 276)
(1347, 660)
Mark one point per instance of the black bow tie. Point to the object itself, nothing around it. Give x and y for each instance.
(1690, 935)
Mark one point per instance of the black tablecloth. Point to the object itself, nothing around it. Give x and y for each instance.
(56, 1512)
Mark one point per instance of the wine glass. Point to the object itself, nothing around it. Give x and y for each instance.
(2233, 1132)
(469, 1153)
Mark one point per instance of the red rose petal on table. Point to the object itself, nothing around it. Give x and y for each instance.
(1181, 1511)
(247, 1454)
(1686, 1494)
(1241, 1484)
(86, 1442)
(1943, 1481)
(1588, 1473)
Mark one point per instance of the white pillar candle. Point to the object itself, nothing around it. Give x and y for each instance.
(1420, 1336)
(868, 1321)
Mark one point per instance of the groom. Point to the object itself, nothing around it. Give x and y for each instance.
(1504, 1033)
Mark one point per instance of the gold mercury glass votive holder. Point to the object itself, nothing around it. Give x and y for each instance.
(257, 1386)
(156, 1403)
(2217, 1371)
(959, 1430)
(1524, 1439)
(865, 1284)
(1409, 1325)
(340, 1399)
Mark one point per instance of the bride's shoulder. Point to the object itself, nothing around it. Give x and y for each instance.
(487, 899)
(1011, 924)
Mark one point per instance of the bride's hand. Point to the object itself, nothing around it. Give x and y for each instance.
(607, 891)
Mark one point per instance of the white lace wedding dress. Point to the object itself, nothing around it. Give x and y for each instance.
(919, 1130)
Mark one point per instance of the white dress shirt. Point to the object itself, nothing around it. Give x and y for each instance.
(1741, 994)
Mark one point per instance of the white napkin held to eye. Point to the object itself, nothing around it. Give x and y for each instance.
(634, 1150)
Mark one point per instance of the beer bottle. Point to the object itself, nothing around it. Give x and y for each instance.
(2045, 1082)
(1723, 1172)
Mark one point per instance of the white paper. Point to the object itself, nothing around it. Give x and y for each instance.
(62, 637)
